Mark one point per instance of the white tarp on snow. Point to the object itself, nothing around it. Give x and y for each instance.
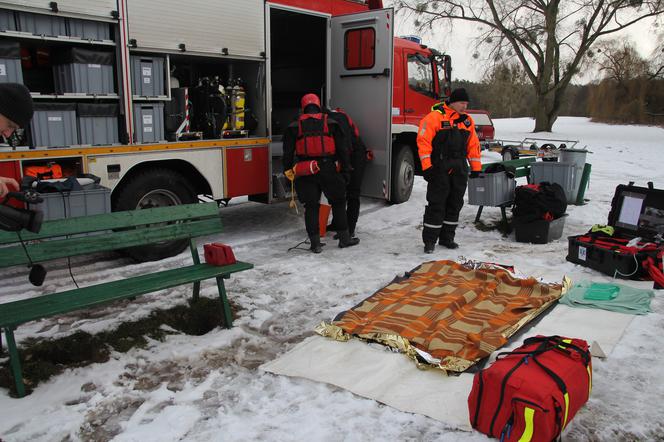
(373, 372)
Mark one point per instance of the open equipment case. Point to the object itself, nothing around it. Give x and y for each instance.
(635, 250)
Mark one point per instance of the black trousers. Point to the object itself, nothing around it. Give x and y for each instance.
(309, 189)
(445, 191)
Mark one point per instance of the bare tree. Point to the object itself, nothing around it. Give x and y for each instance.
(619, 61)
(550, 38)
(505, 86)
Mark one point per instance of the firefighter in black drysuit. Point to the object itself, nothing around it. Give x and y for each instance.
(314, 136)
(447, 144)
(358, 161)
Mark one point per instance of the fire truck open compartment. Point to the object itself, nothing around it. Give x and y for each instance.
(298, 62)
(203, 75)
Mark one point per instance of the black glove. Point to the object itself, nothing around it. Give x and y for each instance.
(427, 174)
(475, 174)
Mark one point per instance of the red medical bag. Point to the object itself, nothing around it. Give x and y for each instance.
(219, 254)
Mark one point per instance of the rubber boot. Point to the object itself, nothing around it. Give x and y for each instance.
(345, 240)
(315, 244)
(429, 247)
(446, 239)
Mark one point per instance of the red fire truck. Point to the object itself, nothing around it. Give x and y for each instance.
(196, 94)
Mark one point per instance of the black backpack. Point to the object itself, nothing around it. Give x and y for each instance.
(539, 201)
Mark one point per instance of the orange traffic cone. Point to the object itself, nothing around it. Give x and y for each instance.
(323, 215)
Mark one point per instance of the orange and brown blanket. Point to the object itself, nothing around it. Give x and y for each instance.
(448, 314)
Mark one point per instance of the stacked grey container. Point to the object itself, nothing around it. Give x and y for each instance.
(7, 20)
(148, 82)
(491, 189)
(54, 125)
(88, 30)
(98, 123)
(554, 172)
(10, 62)
(78, 70)
(38, 24)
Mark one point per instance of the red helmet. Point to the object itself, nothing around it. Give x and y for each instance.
(310, 99)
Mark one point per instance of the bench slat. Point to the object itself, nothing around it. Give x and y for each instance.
(18, 312)
(61, 248)
(115, 220)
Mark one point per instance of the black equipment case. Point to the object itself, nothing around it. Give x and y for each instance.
(636, 212)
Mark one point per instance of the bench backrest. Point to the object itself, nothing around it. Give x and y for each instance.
(521, 166)
(118, 230)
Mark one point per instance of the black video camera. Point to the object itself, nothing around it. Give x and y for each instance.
(13, 219)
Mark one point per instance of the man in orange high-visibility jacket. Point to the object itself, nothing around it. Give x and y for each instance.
(446, 143)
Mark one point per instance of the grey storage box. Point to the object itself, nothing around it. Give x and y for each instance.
(10, 62)
(491, 189)
(554, 172)
(98, 123)
(54, 125)
(149, 122)
(147, 76)
(93, 200)
(88, 30)
(7, 20)
(39, 24)
(83, 71)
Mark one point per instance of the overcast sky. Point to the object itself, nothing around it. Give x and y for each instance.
(459, 42)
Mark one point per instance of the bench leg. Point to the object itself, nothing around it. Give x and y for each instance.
(225, 306)
(479, 213)
(504, 214)
(197, 291)
(15, 362)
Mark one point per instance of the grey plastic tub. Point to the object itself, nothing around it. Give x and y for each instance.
(40, 24)
(54, 125)
(10, 62)
(93, 201)
(149, 122)
(147, 76)
(98, 123)
(88, 29)
(85, 71)
(491, 189)
(556, 172)
(578, 158)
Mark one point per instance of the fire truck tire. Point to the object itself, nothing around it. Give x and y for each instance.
(403, 174)
(154, 188)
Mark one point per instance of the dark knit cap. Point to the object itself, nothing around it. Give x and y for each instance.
(16, 103)
(458, 95)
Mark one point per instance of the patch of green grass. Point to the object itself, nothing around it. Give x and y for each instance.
(43, 358)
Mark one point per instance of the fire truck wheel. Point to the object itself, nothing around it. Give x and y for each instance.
(154, 188)
(403, 174)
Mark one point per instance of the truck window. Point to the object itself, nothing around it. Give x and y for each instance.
(420, 76)
(360, 48)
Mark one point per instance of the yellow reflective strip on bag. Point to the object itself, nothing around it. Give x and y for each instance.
(529, 418)
(590, 380)
(566, 409)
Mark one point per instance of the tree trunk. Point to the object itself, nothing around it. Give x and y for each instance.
(545, 116)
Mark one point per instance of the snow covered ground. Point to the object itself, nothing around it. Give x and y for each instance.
(209, 388)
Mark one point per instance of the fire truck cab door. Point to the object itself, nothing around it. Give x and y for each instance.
(361, 83)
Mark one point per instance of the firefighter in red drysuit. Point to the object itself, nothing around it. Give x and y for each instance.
(446, 143)
(358, 161)
(315, 136)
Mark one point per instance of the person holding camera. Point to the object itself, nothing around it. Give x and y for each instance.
(15, 111)
(446, 143)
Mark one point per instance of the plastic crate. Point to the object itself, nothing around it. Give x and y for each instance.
(491, 189)
(10, 62)
(149, 122)
(83, 71)
(39, 24)
(54, 125)
(93, 201)
(147, 75)
(98, 123)
(540, 231)
(554, 172)
(87, 29)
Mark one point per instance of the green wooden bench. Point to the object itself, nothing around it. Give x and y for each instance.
(118, 230)
(521, 169)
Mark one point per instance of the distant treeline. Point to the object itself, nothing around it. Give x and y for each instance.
(635, 101)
